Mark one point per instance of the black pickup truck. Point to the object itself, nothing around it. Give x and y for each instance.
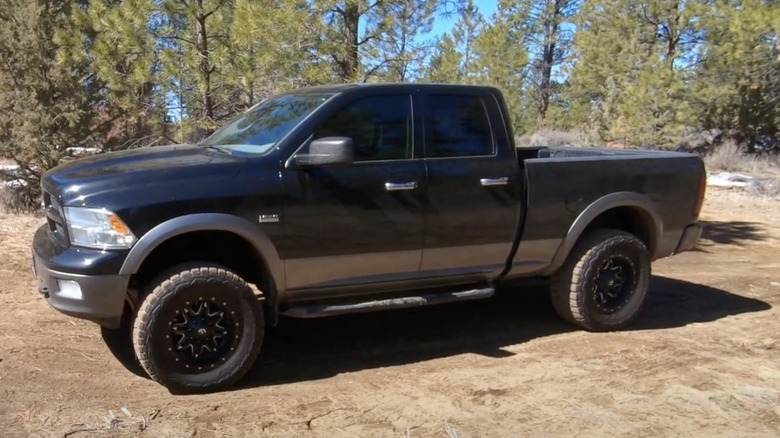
(349, 198)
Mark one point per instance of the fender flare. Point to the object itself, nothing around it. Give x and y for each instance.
(208, 222)
(596, 208)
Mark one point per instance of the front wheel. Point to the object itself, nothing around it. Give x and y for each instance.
(603, 284)
(199, 329)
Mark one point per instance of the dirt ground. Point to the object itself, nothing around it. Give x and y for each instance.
(703, 360)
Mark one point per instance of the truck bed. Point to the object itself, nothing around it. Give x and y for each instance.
(566, 189)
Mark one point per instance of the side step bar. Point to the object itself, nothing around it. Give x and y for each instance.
(320, 310)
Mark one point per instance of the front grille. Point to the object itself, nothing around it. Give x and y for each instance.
(55, 218)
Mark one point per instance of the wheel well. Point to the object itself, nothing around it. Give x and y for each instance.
(221, 247)
(629, 219)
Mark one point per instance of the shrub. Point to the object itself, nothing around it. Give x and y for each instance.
(766, 187)
(729, 157)
(17, 199)
(554, 138)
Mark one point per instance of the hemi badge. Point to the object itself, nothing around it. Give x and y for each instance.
(269, 218)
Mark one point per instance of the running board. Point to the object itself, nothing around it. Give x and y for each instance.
(320, 310)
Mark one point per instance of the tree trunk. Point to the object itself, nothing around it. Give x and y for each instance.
(349, 63)
(545, 83)
(204, 67)
(548, 58)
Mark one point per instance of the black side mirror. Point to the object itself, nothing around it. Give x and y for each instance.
(326, 151)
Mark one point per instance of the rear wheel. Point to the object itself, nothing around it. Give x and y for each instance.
(603, 284)
(199, 329)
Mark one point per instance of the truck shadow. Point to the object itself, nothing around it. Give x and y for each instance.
(731, 233)
(300, 350)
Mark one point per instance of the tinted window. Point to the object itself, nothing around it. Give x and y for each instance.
(259, 128)
(380, 127)
(459, 126)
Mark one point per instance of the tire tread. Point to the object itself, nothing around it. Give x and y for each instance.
(167, 284)
(566, 286)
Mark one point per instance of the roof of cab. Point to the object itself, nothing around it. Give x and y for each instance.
(340, 88)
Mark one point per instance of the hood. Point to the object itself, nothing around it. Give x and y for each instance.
(139, 169)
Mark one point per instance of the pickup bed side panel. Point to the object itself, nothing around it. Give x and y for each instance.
(566, 193)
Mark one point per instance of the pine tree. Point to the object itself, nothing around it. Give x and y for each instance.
(464, 35)
(45, 106)
(501, 59)
(630, 80)
(194, 36)
(738, 83)
(273, 48)
(398, 54)
(548, 31)
(112, 37)
(342, 39)
(446, 62)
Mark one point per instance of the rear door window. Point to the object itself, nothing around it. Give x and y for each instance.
(459, 126)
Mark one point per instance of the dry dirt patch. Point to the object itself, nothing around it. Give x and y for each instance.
(703, 360)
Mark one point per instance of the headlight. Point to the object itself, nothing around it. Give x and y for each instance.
(97, 229)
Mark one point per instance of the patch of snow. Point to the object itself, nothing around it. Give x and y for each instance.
(78, 150)
(728, 179)
(12, 170)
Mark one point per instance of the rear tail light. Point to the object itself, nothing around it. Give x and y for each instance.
(700, 199)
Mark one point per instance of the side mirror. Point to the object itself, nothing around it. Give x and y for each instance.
(326, 151)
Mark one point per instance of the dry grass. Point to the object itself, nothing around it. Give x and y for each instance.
(765, 169)
(730, 157)
(554, 138)
(15, 201)
(767, 187)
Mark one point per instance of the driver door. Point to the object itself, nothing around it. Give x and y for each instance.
(364, 222)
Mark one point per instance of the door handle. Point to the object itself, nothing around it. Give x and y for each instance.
(394, 187)
(487, 182)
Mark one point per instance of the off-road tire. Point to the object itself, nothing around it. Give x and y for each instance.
(573, 288)
(183, 287)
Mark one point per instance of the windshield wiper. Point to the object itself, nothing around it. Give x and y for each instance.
(214, 148)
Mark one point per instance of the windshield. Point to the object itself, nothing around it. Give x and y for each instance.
(258, 129)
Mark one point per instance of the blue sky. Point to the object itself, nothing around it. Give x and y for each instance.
(442, 24)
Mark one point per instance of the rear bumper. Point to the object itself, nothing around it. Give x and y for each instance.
(689, 238)
(99, 298)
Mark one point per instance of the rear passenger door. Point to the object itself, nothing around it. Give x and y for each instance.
(474, 185)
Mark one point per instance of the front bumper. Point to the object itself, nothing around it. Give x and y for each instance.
(71, 289)
(689, 238)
